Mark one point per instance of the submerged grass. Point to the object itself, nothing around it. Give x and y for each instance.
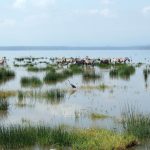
(96, 116)
(6, 74)
(83, 139)
(136, 123)
(30, 82)
(54, 96)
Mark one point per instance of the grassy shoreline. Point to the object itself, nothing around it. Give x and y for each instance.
(62, 137)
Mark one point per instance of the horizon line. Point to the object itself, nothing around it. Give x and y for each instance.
(136, 47)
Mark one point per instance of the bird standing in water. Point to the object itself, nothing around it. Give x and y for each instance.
(73, 86)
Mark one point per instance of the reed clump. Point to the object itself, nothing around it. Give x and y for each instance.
(53, 77)
(90, 76)
(76, 69)
(6, 74)
(30, 82)
(136, 123)
(124, 71)
(3, 105)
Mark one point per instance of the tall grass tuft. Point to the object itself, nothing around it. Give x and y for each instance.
(6, 74)
(30, 82)
(135, 122)
(55, 96)
(53, 77)
(76, 69)
(88, 76)
(3, 105)
(122, 71)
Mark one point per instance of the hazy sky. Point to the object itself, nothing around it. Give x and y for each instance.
(75, 22)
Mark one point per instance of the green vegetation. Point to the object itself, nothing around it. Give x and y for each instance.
(76, 69)
(3, 105)
(104, 66)
(103, 87)
(54, 96)
(87, 76)
(84, 139)
(6, 74)
(6, 94)
(31, 82)
(123, 71)
(39, 69)
(53, 77)
(136, 123)
(95, 116)
(146, 73)
(20, 95)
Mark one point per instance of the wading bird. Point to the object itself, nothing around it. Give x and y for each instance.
(73, 86)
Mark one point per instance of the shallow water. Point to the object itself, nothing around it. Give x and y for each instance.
(77, 104)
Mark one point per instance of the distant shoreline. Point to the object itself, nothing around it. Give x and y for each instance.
(73, 48)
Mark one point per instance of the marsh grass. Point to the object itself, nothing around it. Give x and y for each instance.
(54, 96)
(96, 116)
(6, 94)
(123, 71)
(90, 76)
(76, 69)
(146, 73)
(40, 69)
(104, 66)
(84, 139)
(53, 77)
(103, 87)
(31, 82)
(135, 122)
(3, 105)
(6, 74)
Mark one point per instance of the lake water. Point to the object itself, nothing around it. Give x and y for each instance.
(73, 109)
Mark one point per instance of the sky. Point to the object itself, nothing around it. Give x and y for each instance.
(74, 22)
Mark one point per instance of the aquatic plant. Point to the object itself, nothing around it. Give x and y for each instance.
(6, 74)
(31, 82)
(135, 122)
(6, 94)
(20, 95)
(76, 69)
(104, 66)
(3, 105)
(24, 136)
(39, 69)
(103, 87)
(55, 96)
(146, 73)
(95, 116)
(90, 76)
(53, 77)
(124, 71)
